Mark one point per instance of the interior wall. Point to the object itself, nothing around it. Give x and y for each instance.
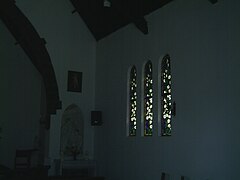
(71, 48)
(20, 99)
(202, 40)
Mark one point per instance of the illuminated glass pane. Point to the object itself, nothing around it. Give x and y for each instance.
(133, 102)
(148, 100)
(166, 96)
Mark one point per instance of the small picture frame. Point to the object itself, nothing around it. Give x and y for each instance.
(74, 81)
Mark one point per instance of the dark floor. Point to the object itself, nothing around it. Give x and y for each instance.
(38, 174)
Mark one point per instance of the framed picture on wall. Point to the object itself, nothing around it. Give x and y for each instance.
(74, 81)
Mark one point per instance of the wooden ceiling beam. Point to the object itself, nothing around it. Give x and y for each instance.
(213, 1)
(142, 25)
(133, 15)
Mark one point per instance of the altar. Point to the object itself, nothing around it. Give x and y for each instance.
(83, 168)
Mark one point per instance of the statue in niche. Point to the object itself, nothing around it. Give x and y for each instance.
(72, 133)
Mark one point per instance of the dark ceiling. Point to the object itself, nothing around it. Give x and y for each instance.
(104, 20)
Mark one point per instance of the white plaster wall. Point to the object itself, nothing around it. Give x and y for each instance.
(20, 99)
(203, 41)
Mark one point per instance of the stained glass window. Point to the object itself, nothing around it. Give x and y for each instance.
(166, 97)
(133, 102)
(148, 100)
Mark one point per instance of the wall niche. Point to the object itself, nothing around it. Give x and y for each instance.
(72, 133)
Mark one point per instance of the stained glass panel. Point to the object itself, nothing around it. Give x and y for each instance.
(148, 100)
(166, 97)
(133, 102)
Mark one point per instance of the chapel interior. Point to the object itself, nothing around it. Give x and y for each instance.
(74, 93)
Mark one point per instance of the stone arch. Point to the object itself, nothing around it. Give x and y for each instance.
(34, 46)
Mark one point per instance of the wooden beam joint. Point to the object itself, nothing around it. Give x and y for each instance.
(74, 11)
(141, 24)
(213, 1)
